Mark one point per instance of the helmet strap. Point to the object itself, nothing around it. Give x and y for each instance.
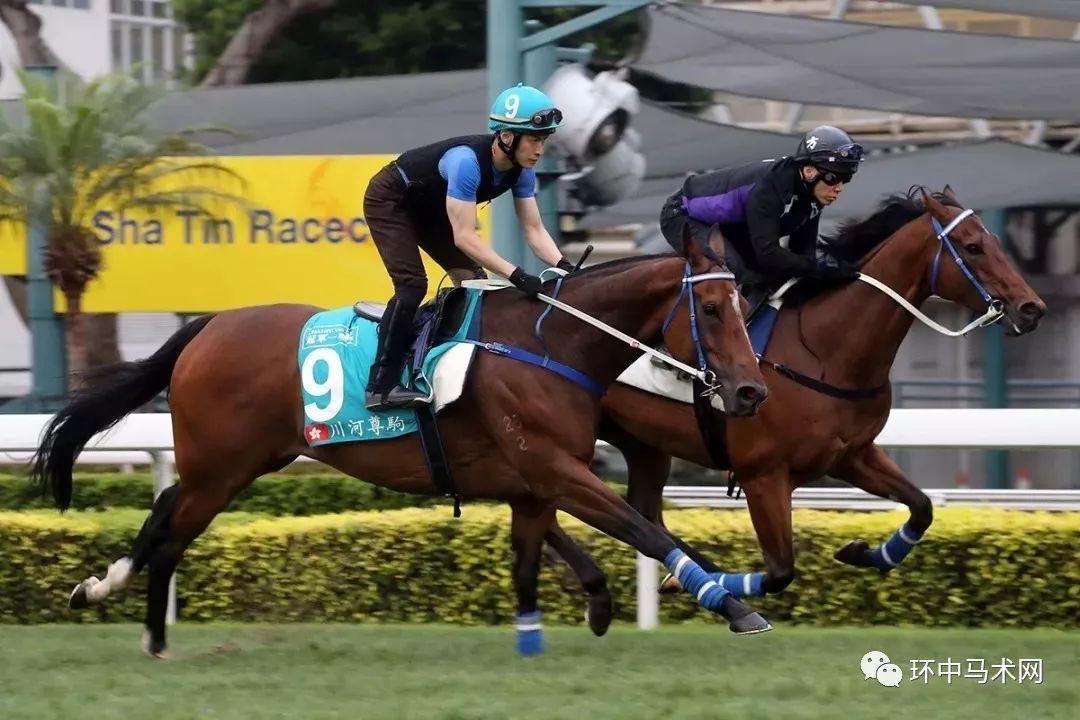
(509, 150)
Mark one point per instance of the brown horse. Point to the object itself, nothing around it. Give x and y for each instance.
(522, 434)
(828, 363)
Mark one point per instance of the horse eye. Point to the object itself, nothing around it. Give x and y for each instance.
(973, 249)
(710, 308)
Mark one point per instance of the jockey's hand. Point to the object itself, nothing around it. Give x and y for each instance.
(526, 283)
(844, 272)
(566, 265)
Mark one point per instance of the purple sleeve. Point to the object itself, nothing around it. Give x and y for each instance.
(730, 207)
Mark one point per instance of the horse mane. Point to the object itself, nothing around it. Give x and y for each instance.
(855, 239)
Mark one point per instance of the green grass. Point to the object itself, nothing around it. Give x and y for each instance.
(438, 672)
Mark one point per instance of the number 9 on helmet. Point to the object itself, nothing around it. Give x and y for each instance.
(524, 109)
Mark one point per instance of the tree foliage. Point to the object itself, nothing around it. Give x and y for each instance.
(377, 37)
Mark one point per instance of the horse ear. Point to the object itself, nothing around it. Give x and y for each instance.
(932, 204)
(690, 250)
(948, 192)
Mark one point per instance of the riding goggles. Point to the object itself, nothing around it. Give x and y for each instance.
(834, 178)
(547, 118)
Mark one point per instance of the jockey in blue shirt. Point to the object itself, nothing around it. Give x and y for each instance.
(427, 199)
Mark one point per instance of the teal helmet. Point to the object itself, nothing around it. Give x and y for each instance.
(524, 109)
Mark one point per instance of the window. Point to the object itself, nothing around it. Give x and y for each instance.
(157, 53)
(81, 4)
(160, 9)
(118, 7)
(137, 55)
(138, 8)
(117, 46)
(179, 47)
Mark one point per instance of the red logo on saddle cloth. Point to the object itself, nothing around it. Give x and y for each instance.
(316, 432)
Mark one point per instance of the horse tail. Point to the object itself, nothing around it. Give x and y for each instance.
(108, 394)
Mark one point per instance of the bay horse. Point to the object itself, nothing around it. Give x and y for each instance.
(519, 432)
(827, 367)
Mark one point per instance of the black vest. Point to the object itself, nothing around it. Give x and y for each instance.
(426, 192)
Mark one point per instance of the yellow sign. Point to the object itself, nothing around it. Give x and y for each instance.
(303, 239)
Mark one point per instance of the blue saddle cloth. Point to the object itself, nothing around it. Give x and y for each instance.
(336, 350)
(761, 326)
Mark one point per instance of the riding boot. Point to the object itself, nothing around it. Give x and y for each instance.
(384, 390)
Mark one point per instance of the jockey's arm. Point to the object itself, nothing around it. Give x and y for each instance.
(462, 214)
(763, 211)
(537, 237)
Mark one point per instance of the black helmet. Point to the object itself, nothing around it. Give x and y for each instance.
(830, 148)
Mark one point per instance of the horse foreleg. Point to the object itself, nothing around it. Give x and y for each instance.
(647, 471)
(587, 498)
(768, 498)
(875, 472)
(530, 521)
(601, 607)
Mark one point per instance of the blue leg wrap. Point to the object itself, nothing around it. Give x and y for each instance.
(741, 585)
(709, 593)
(892, 552)
(530, 636)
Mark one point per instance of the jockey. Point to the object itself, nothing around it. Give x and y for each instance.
(753, 206)
(427, 199)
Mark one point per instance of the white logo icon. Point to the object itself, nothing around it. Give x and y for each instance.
(875, 664)
(812, 142)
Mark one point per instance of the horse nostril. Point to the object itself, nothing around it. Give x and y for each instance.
(750, 395)
(1032, 310)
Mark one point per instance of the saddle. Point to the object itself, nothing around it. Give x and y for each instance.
(436, 321)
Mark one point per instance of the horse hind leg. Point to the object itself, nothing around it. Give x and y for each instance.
(196, 505)
(601, 607)
(530, 520)
(154, 530)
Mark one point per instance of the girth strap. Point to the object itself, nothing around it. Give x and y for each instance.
(436, 455)
(823, 387)
(575, 376)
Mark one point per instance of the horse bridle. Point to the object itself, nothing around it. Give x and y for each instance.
(994, 306)
(707, 376)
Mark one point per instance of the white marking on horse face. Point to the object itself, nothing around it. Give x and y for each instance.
(717, 402)
(739, 316)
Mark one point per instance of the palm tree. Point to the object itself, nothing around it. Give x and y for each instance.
(81, 146)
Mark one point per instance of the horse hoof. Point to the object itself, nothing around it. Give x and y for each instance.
(670, 585)
(79, 600)
(598, 613)
(152, 651)
(752, 624)
(743, 619)
(854, 553)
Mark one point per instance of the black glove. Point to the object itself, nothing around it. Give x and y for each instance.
(843, 272)
(566, 265)
(526, 283)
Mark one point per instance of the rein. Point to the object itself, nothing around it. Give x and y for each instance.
(706, 376)
(994, 312)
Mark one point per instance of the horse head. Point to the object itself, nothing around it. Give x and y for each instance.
(711, 333)
(971, 268)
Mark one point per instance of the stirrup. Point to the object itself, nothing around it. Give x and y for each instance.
(396, 398)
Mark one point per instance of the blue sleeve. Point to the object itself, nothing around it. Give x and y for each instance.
(461, 170)
(525, 187)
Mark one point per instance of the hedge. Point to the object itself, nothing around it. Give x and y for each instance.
(974, 568)
(277, 494)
